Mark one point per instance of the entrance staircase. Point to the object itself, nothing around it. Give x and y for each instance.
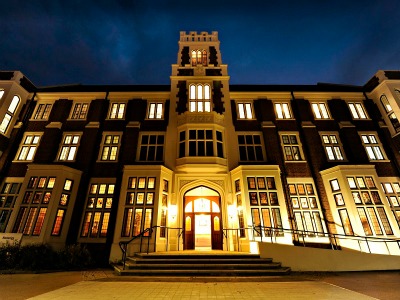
(200, 264)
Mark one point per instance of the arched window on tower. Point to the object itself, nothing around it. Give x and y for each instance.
(199, 95)
(199, 57)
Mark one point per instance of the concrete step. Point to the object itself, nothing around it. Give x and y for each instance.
(194, 260)
(200, 265)
(182, 266)
(204, 272)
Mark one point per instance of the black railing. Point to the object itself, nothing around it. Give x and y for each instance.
(272, 233)
(148, 234)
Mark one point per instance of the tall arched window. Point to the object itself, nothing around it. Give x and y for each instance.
(200, 95)
(12, 108)
(390, 113)
(199, 57)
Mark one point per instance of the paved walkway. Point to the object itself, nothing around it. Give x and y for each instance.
(102, 284)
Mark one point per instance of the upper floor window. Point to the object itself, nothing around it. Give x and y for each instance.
(42, 112)
(245, 111)
(79, 111)
(12, 108)
(28, 146)
(291, 147)
(200, 95)
(357, 110)
(155, 111)
(320, 110)
(69, 147)
(110, 146)
(390, 114)
(332, 145)
(250, 147)
(200, 142)
(282, 111)
(151, 147)
(199, 57)
(372, 146)
(1, 94)
(117, 111)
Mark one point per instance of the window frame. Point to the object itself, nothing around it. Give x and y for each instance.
(29, 146)
(69, 146)
(253, 145)
(319, 113)
(110, 146)
(199, 96)
(10, 114)
(185, 140)
(79, 113)
(355, 107)
(42, 115)
(389, 112)
(286, 115)
(245, 110)
(375, 145)
(116, 114)
(291, 145)
(154, 115)
(149, 144)
(333, 146)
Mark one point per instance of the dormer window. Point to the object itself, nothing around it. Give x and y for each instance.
(199, 57)
(200, 95)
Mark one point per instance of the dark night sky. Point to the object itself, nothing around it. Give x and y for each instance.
(263, 42)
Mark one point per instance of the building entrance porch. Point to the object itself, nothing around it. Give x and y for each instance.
(202, 220)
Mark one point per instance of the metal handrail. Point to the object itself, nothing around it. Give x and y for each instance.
(274, 232)
(124, 244)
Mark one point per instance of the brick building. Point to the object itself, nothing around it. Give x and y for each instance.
(213, 165)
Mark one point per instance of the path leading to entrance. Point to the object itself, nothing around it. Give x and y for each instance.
(103, 284)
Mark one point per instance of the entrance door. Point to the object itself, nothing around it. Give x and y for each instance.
(202, 221)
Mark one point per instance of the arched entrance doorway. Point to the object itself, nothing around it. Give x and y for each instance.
(202, 219)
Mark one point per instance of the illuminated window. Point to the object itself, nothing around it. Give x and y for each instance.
(199, 57)
(117, 111)
(42, 112)
(139, 206)
(333, 147)
(98, 208)
(12, 108)
(33, 209)
(155, 111)
(372, 146)
(390, 114)
(306, 208)
(370, 207)
(320, 110)
(79, 111)
(357, 110)
(291, 147)
(1, 94)
(245, 111)
(392, 192)
(200, 98)
(109, 147)
(28, 146)
(250, 147)
(282, 111)
(151, 147)
(69, 146)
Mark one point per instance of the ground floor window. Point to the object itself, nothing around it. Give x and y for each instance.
(8, 194)
(98, 209)
(139, 206)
